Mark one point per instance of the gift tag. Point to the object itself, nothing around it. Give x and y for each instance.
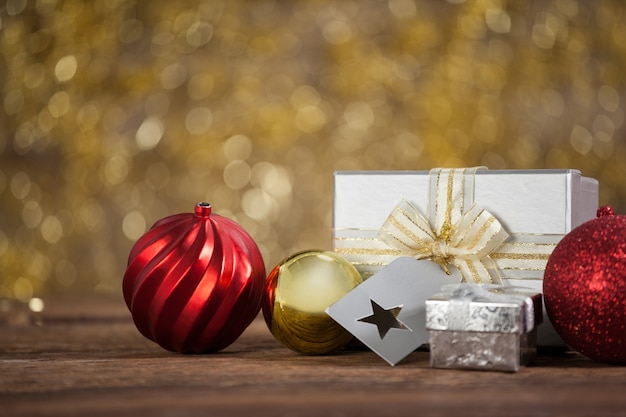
(387, 312)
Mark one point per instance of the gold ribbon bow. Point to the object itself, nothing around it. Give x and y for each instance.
(464, 239)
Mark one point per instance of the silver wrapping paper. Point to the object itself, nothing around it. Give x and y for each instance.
(483, 327)
(482, 350)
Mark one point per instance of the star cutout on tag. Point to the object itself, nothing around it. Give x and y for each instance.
(393, 298)
(384, 319)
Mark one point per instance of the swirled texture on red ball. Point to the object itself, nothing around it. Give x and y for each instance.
(585, 288)
(194, 282)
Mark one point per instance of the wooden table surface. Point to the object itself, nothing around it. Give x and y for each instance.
(84, 357)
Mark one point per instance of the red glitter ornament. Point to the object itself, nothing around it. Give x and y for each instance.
(584, 287)
(194, 281)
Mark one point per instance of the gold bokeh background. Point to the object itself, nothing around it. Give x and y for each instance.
(117, 113)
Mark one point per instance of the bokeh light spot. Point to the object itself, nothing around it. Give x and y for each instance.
(36, 305)
(20, 185)
(498, 20)
(337, 32)
(134, 225)
(608, 98)
(51, 229)
(198, 120)
(359, 116)
(59, 104)
(66, 68)
(305, 95)
(32, 214)
(173, 76)
(310, 119)
(15, 7)
(402, 9)
(581, 140)
(237, 147)
(92, 214)
(258, 204)
(116, 170)
(199, 34)
(237, 174)
(149, 134)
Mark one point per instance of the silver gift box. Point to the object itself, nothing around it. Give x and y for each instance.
(536, 207)
(484, 327)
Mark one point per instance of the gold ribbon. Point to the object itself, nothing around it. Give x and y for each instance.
(454, 235)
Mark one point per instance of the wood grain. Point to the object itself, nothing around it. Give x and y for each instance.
(84, 357)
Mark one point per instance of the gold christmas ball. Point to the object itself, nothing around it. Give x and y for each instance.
(297, 293)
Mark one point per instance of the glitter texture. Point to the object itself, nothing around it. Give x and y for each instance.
(585, 288)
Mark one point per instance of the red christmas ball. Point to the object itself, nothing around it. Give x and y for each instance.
(584, 288)
(194, 281)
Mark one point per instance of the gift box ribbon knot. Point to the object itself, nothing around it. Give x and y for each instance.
(463, 238)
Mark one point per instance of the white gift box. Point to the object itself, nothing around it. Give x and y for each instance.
(536, 208)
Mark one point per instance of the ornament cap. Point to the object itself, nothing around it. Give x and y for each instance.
(203, 209)
(605, 211)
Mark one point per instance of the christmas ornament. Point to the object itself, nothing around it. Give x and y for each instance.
(585, 287)
(194, 281)
(297, 292)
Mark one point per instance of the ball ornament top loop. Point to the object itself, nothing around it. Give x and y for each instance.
(203, 209)
(605, 211)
